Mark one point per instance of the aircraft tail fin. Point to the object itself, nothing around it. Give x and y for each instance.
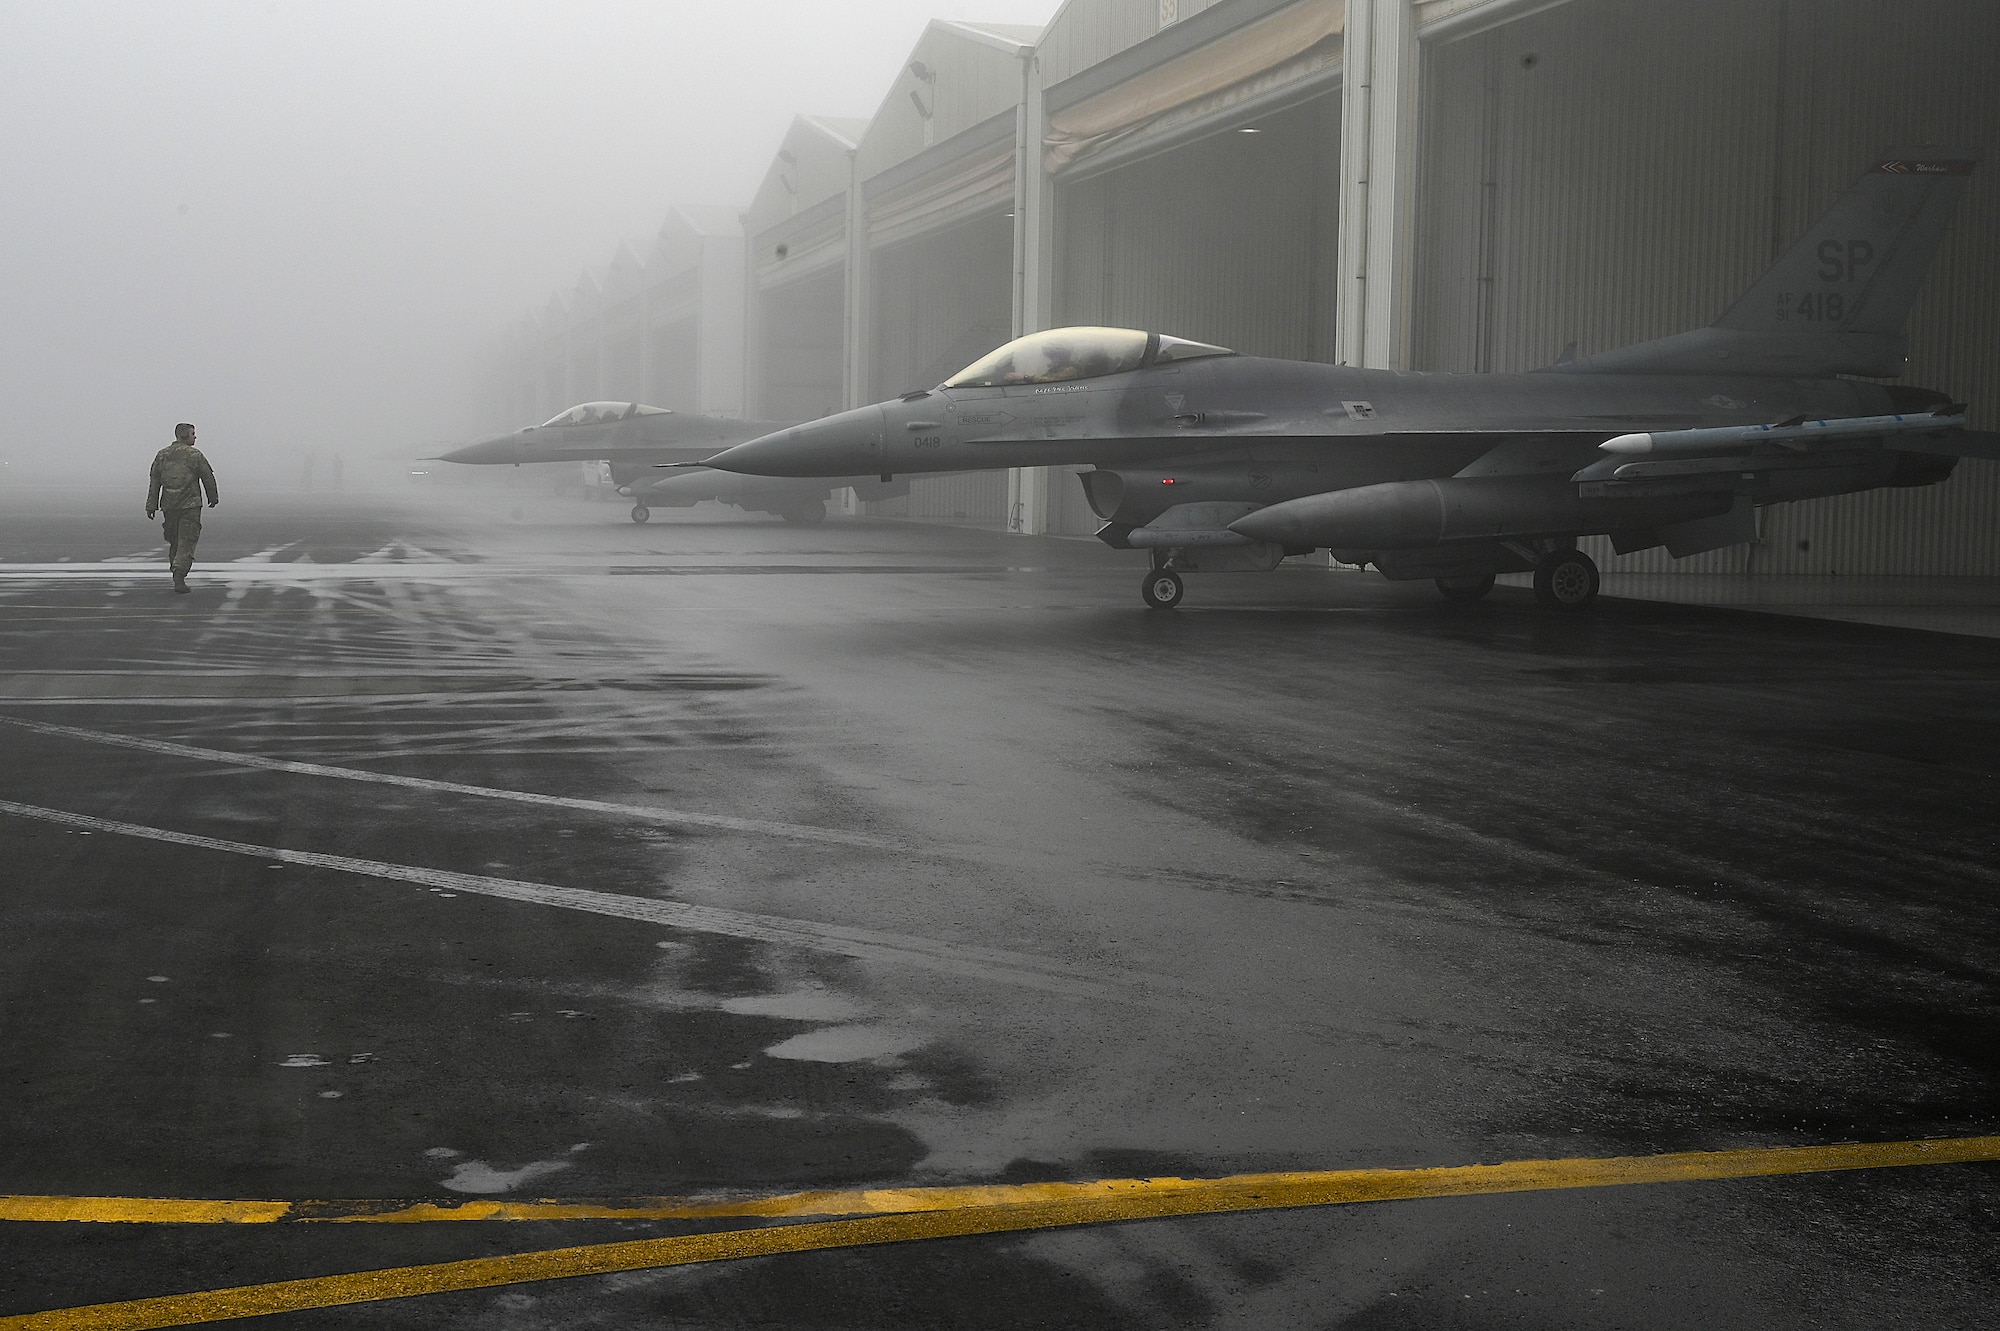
(1835, 302)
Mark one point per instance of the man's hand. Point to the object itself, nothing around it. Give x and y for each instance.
(213, 502)
(150, 513)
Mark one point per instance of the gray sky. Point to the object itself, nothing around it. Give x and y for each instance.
(300, 223)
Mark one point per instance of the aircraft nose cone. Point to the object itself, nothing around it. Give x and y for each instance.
(499, 448)
(848, 444)
(766, 455)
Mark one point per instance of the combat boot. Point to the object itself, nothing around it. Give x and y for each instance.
(180, 581)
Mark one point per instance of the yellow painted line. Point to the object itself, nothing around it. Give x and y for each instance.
(142, 1210)
(935, 1213)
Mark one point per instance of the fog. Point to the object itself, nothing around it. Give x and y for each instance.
(303, 226)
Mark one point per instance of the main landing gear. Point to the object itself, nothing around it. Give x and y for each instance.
(640, 512)
(1566, 580)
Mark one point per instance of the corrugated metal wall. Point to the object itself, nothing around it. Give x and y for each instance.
(1617, 170)
(1069, 511)
(973, 499)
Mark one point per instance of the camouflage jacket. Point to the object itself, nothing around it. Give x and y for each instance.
(180, 474)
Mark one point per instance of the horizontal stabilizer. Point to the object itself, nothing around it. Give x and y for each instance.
(1957, 443)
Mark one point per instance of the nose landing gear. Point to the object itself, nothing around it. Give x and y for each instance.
(1162, 589)
(640, 512)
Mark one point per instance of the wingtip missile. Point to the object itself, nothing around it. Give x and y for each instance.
(1725, 438)
(1628, 443)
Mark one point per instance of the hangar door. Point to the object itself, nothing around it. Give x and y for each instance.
(1611, 172)
(676, 361)
(624, 354)
(1230, 239)
(941, 302)
(801, 356)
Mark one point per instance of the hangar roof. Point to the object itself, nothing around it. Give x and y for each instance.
(625, 276)
(683, 237)
(958, 75)
(1013, 35)
(812, 164)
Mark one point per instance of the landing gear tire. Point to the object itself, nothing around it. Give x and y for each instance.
(1566, 581)
(1465, 589)
(1162, 589)
(808, 514)
(640, 513)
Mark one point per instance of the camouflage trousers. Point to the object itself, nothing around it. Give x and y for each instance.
(183, 531)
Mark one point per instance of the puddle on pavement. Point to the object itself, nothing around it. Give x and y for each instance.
(847, 1044)
(478, 1176)
(810, 1004)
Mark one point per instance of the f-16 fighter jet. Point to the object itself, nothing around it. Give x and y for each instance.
(1209, 459)
(653, 454)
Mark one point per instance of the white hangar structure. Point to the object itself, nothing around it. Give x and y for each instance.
(1465, 185)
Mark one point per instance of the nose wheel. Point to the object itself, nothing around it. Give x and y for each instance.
(1567, 581)
(640, 513)
(1162, 589)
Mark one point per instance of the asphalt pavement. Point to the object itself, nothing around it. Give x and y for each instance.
(447, 846)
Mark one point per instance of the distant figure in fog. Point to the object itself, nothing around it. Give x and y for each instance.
(180, 474)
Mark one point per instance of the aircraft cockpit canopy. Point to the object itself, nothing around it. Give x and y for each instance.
(1057, 355)
(602, 413)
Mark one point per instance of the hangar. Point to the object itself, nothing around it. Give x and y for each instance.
(1406, 184)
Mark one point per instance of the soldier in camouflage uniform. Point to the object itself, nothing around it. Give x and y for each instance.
(180, 474)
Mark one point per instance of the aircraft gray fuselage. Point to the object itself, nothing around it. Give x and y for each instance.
(1353, 427)
(1241, 433)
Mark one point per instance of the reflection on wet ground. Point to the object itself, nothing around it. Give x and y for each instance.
(452, 863)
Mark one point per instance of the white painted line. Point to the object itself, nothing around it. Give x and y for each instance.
(256, 568)
(666, 817)
(1015, 968)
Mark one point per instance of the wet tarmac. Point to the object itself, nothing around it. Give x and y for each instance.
(427, 851)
